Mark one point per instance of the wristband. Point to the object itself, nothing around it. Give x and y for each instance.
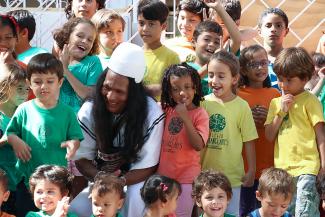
(282, 114)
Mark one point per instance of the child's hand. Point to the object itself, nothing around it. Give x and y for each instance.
(248, 179)
(259, 115)
(62, 207)
(321, 72)
(286, 101)
(181, 109)
(22, 150)
(64, 56)
(72, 146)
(4, 55)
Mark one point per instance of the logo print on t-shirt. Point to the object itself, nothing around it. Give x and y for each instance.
(44, 133)
(217, 122)
(175, 125)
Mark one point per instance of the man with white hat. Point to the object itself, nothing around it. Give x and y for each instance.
(122, 127)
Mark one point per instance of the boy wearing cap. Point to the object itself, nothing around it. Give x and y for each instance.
(130, 149)
(152, 16)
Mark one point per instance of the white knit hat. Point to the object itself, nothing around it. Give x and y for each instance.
(128, 60)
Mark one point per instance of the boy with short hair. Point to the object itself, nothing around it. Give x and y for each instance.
(295, 122)
(152, 16)
(107, 189)
(42, 130)
(275, 190)
(27, 25)
(4, 192)
(273, 28)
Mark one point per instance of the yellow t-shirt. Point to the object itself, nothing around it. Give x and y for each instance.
(157, 61)
(182, 47)
(231, 124)
(295, 147)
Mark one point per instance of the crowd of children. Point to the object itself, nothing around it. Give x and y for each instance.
(194, 126)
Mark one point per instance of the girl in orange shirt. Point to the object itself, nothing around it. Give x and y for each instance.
(255, 88)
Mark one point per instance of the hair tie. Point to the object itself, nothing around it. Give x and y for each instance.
(163, 187)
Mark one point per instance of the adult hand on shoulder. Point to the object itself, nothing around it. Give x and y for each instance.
(259, 115)
(71, 146)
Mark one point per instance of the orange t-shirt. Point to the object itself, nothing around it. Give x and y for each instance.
(264, 149)
(4, 214)
(178, 159)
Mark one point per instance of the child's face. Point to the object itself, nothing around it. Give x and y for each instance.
(81, 41)
(84, 8)
(257, 68)
(186, 23)
(4, 194)
(205, 45)
(214, 202)
(273, 30)
(7, 39)
(46, 196)
(46, 87)
(273, 205)
(112, 35)
(292, 85)
(221, 80)
(19, 93)
(182, 90)
(106, 205)
(150, 30)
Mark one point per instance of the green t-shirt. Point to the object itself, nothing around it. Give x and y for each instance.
(204, 81)
(28, 54)
(8, 158)
(225, 215)
(43, 130)
(44, 214)
(322, 98)
(87, 72)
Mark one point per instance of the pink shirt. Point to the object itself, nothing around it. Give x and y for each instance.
(178, 159)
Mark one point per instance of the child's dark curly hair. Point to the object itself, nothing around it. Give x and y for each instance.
(57, 175)
(106, 183)
(207, 180)
(62, 35)
(180, 70)
(68, 8)
(158, 187)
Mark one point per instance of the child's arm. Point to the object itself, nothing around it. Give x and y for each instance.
(320, 138)
(82, 90)
(248, 179)
(21, 149)
(230, 25)
(272, 129)
(193, 136)
(71, 146)
(319, 86)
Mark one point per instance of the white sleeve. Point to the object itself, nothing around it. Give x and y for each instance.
(149, 154)
(87, 147)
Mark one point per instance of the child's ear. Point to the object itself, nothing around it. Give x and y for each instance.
(6, 196)
(61, 81)
(235, 79)
(164, 25)
(287, 31)
(120, 203)
(24, 33)
(258, 196)
(198, 203)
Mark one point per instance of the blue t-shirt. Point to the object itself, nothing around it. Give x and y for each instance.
(256, 213)
(273, 77)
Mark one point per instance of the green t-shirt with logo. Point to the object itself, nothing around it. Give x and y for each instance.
(43, 130)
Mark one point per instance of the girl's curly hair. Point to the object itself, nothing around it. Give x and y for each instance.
(62, 35)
